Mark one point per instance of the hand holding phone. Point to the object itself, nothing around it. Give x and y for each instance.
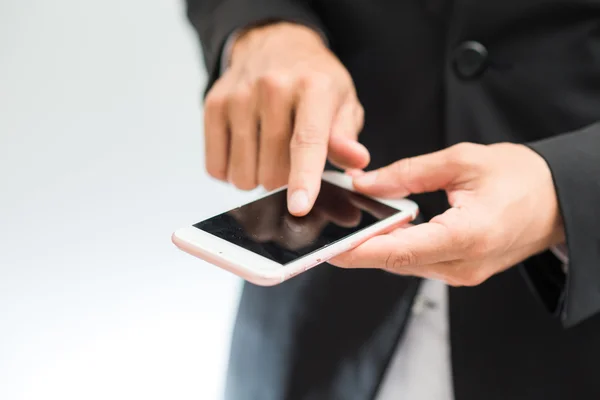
(265, 244)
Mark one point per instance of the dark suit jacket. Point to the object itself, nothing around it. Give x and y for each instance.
(432, 73)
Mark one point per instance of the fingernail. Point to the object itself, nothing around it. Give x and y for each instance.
(298, 202)
(367, 179)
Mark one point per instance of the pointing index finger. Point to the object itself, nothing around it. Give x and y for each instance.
(308, 148)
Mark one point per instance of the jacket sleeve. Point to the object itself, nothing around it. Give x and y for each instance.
(215, 20)
(574, 160)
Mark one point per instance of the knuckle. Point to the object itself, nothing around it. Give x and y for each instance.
(398, 260)
(474, 277)
(465, 147)
(214, 101)
(273, 83)
(241, 96)
(459, 230)
(360, 116)
(465, 154)
(316, 80)
(406, 169)
(309, 135)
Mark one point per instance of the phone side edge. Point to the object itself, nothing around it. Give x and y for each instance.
(220, 255)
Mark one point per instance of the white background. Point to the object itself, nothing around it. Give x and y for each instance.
(100, 160)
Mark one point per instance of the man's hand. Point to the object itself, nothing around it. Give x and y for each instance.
(503, 210)
(284, 105)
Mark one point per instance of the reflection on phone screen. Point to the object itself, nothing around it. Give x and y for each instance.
(265, 227)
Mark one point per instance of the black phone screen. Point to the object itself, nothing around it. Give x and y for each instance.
(265, 227)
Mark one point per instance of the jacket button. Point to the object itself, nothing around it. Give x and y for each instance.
(470, 59)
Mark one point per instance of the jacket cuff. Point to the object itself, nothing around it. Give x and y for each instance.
(215, 24)
(574, 160)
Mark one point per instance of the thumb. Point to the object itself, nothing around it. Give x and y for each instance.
(427, 173)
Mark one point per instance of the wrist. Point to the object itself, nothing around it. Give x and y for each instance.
(548, 227)
(279, 33)
(556, 236)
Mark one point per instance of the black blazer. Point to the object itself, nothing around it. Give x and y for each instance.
(432, 73)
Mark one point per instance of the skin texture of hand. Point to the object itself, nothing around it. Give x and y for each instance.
(284, 106)
(503, 210)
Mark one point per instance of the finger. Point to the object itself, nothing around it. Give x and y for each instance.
(423, 244)
(427, 173)
(344, 150)
(243, 122)
(373, 207)
(308, 147)
(275, 105)
(354, 173)
(216, 132)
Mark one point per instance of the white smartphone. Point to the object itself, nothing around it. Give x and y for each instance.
(263, 243)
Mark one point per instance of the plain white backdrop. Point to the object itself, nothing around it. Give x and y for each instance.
(101, 159)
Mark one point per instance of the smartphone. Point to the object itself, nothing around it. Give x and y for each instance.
(264, 244)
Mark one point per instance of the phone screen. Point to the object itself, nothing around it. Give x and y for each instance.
(265, 227)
